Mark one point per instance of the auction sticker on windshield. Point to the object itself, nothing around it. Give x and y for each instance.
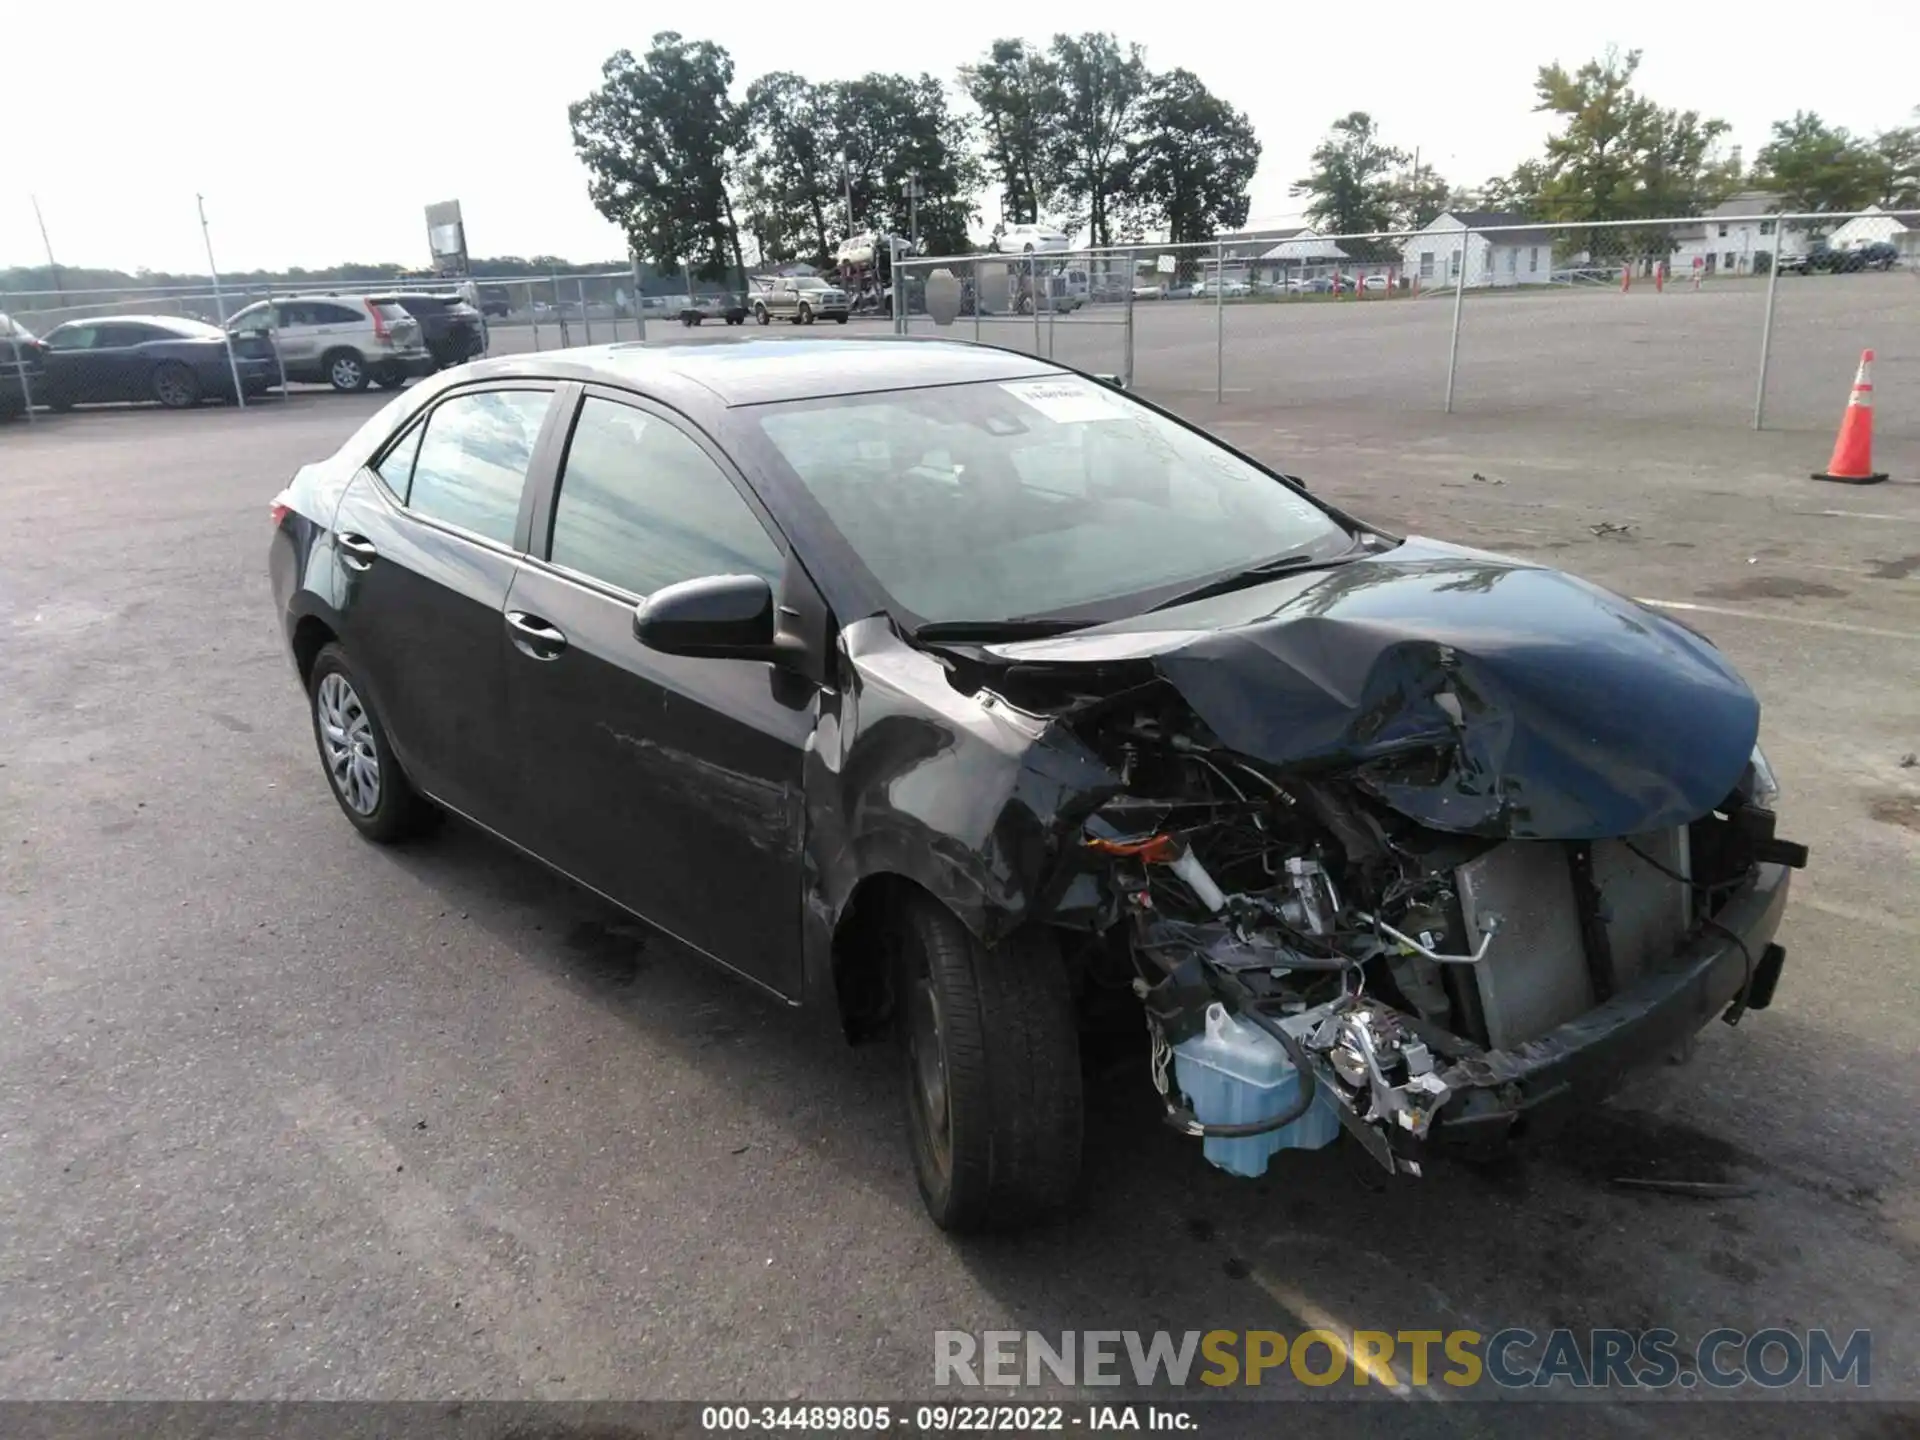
(1066, 402)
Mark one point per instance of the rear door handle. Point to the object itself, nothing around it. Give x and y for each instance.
(534, 636)
(356, 550)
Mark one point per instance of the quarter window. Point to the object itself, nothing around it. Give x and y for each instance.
(642, 506)
(472, 460)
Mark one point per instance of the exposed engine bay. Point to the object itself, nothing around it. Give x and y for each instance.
(1310, 959)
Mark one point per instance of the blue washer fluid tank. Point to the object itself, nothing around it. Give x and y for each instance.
(1234, 1073)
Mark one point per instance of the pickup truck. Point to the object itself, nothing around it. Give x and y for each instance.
(802, 299)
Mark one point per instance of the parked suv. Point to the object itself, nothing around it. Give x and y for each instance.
(341, 340)
(802, 299)
(452, 329)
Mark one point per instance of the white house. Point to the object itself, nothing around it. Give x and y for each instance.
(1487, 242)
(1301, 253)
(1731, 237)
(1898, 228)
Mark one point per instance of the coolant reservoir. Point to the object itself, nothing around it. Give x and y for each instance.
(1234, 1073)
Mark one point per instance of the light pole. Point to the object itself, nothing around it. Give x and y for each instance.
(846, 170)
(913, 210)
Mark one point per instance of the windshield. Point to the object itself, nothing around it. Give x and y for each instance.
(1034, 498)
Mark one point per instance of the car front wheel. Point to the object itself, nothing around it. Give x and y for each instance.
(373, 791)
(992, 1072)
(760, 314)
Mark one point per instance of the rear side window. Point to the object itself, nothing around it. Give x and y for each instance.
(472, 460)
(336, 315)
(642, 506)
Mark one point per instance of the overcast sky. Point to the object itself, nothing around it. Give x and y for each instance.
(317, 135)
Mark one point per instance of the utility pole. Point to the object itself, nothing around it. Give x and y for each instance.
(846, 169)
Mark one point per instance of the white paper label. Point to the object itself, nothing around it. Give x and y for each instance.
(1066, 402)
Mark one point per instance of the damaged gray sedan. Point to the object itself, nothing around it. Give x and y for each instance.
(981, 704)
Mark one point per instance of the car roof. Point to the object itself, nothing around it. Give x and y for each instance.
(185, 326)
(754, 370)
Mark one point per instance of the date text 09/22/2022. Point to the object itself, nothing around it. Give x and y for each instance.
(1009, 1419)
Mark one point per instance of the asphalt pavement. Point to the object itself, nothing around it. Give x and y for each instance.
(283, 1114)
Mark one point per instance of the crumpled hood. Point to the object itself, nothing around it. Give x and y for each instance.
(1472, 693)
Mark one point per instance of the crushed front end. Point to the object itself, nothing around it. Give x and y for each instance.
(1311, 959)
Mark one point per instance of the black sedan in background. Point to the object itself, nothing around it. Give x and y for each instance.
(174, 362)
(969, 698)
(23, 368)
(452, 330)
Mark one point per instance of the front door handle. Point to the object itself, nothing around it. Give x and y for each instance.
(356, 550)
(534, 636)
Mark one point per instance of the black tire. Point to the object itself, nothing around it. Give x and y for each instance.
(399, 811)
(175, 386)
(346, 370)
(390, 379)
(760, 314)
(992, 1072)
(841, 319)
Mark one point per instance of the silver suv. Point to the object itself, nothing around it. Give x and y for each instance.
(341, 340)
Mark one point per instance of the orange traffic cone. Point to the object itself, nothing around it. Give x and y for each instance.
(1852, 462)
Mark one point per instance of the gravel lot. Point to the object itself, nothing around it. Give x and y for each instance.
(282, 1114)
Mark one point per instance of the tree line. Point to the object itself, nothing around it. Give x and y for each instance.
(1614, 154)
(1079, 132)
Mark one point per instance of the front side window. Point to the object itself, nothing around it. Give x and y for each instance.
(74, 337)
(642, 506)
(1048, 498)
(473, 458)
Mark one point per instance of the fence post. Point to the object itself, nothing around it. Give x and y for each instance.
(1033, 296)
(1219, 322)
(586, 325)
(977, 298)
(220, 305)
(533, 316)
(1051, 308)
(639, 310)
(1127, 291)
(1766, 334)
(1459, 294)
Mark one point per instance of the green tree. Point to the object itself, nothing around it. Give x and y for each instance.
(1192, 169)
(1420, 197)
(1353, 188)
(1022, 105)
(792, 173)
(659, 139)
(1817, 166)
(1619, 156)
(893, 128)
(1899, 155)
(1104, 88)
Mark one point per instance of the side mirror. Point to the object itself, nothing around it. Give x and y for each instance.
(717, 617)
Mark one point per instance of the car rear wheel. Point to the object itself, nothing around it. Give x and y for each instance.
(841, 319)
(992, 1062)
(391, 377)
(175, 385)
(346, 371)
(373, 792)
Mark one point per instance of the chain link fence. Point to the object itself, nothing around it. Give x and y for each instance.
(1743, 318)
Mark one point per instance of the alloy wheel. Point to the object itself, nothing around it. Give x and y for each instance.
(346, 738)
